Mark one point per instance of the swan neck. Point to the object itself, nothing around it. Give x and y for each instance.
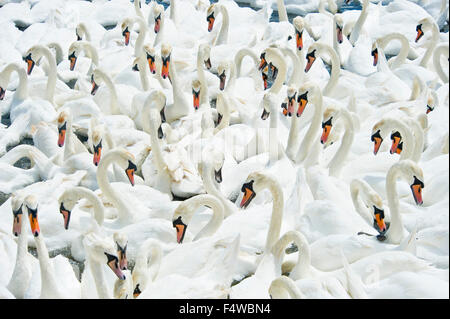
(99, 211)
(113, 93)
(395, 231)
(347, 140)
(222, 38)
(218, 214)
(431, 44)
(282, 70)
(335, 69)
(277, 213)
(48, 280)
(440, 50)
(99, 279)
(282, 13)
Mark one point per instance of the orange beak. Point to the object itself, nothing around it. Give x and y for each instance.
(299, 40)
(97, 153)
(17, 222)
(157, 24)
(61, 135)
(30, 64)
(339, 34)
(302, 102)
(32, 215)
(66, 215)
(290, 108)
(151, 64)
(130, 172)
(165, 68)
(310, 59)
(395, 142)
(326, 131)
(210, 20)
(196, 96)
(249, 194)
(181, 229)
(266, 84)
(375, 57)
(379, 220)
(419, 32)
(263, 62)
(73, 61)
(377, 140)
(416, 189)
(429, 108)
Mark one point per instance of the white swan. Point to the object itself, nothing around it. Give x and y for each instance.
(212, 13)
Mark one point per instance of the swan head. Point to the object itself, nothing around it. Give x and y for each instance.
(256, 182)
(123, 159)
(310, 57)
(103, 251)
(96, 80)
(80, 31)
(299, 25)
(121, 241)
(151, 58)
(432, 101)
(302, 99)
(16, 206)
(31, 204)
(421, 27)
(67, 202)
(166, 51)
(135, 64)
(205, 51)
(413, 175)
(97, 136)
(74, 50)
(339, 24)
(158, 13)
(125, 27)
(31, 57)
(379, 132)
(62, 120)
(196, 87)
(210, 16)
(327, 122)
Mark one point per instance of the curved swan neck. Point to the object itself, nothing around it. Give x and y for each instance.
(139, 44)
(278, 60)
(442, 49)
(99, 210)
(92, 53)
(296, 76)
(313, 127)
(302, 267)
(419, 139)
(222, 37)
(431, 43)
(211, 188)
(124, 214)
(222, 102)
(282, 286)
(22, 90)
(51, 80)
(395, 231)
(82, 30)
(402, 55)
(150, 249)
(359, 189)
(275, 189)
(137, 9)
(204, 96)
(360, 22)
(112, 90)
(240, 56)
(347, 140)
(218, 213)
(282, 13)
(335, 67)
(17, 153)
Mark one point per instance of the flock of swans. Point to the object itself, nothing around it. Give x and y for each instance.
(202, 150)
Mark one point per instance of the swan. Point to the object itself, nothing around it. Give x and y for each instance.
(180, 106)
(424, 25)
(211, 15)
(50, 286)
(25, 111)
(83, 46)
(126, 26)
(441, 49)
(320, 49)
(284, 287)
